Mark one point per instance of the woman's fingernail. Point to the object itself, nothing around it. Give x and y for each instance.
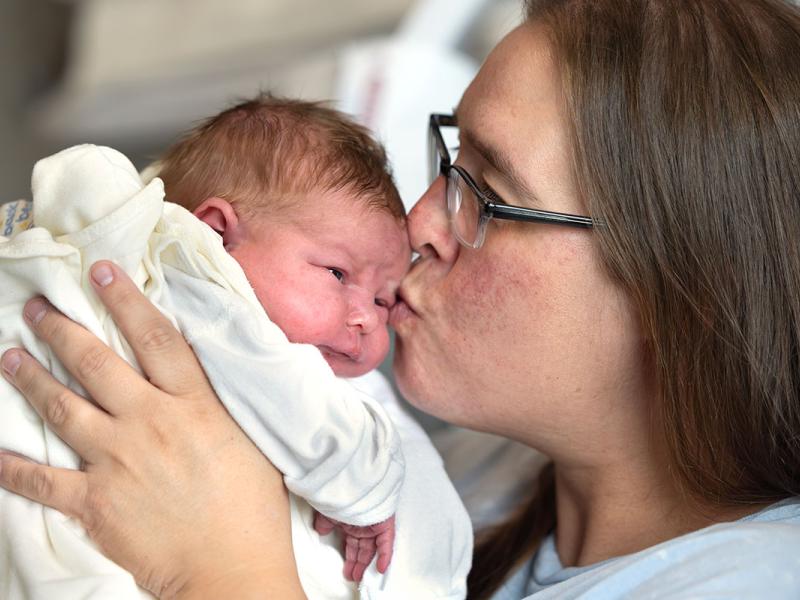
(35, 310)
(11, 361)
(102, 275)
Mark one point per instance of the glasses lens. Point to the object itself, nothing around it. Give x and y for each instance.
(433, 156)
(438, 137)
(464, 210)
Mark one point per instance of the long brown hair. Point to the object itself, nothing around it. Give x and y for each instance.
(685, 124)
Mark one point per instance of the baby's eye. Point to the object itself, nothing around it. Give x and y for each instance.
(336, 273)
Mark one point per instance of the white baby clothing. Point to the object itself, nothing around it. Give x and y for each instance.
(346, 448)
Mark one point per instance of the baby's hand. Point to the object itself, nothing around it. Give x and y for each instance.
(361, 544)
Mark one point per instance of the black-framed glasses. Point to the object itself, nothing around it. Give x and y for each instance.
(471, 208)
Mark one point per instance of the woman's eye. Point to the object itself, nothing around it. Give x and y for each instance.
(491, 194)
(336, 273)
(488, 191)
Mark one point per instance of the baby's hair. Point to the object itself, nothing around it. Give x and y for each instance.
(267, 153)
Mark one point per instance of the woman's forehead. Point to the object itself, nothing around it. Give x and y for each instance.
(515, 107)
(516, 89)
(518, 72)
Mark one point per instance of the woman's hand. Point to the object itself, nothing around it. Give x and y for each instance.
(172, 490)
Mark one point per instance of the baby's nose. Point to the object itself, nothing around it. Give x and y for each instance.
(363, 314)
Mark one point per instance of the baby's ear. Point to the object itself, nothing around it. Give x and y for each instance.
(220, 215)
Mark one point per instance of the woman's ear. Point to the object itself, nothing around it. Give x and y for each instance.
(220, 215)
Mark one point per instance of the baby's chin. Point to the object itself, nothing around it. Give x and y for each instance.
(345, 366)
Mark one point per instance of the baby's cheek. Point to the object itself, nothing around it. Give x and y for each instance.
(297, 330)
(382, 344)
(375, 349)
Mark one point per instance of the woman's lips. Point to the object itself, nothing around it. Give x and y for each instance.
(400, 312)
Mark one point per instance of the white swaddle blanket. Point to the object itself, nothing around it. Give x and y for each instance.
(340, 444)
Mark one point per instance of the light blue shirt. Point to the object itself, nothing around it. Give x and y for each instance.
(753, 558)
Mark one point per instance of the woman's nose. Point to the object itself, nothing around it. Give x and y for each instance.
(429, 226)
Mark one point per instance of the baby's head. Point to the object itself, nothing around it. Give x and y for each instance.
(304, 201)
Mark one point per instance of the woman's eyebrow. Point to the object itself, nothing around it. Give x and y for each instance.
(499, 162)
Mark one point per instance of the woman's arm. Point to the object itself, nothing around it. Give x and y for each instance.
(171, 490)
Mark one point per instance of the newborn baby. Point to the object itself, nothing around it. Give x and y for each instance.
(300, 198)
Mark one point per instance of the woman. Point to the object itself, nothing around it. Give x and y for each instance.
(649, 347)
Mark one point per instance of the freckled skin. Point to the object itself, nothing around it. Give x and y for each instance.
(522, 336)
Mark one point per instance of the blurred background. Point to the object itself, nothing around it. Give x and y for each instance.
(133, 74)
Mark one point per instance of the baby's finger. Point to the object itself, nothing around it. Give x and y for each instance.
(62, 489)
(350, 555)
(163, 354)
(322, 524)
(385, 544)
(366, 552)
(81, 424)
(359, 552)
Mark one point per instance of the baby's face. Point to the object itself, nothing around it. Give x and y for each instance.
(327, 274)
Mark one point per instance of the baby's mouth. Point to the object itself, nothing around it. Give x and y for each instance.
(328, 351)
